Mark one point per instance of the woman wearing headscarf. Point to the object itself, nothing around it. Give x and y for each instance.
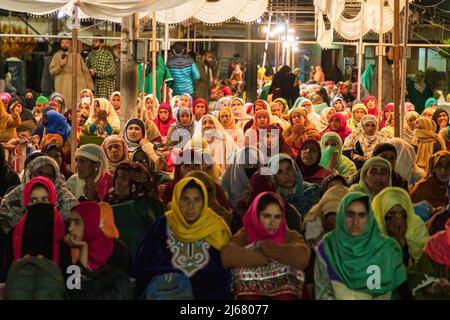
(419, 90)
(308, 160)
(92, 180)
(290, 185)
(136, 137)
(164, 119)
(57, 129)
(428, 113)
(134, 200)
(115, 101)
(116, 150)
(12, 208)
(429, 277)
(199, 109)
(54, 151)
(246, 162)
(227, 120)
(151, 105)
(433, 187)
(225, 102)
(280, 108)
(261, 105)
(440, 117)
(360, 143)
(8, 123)
(375, 176)
(220, 143)
(283, 85)
(111, 115)
(406, 161)
(307, 104)
(426, 141)
(28, 122)
(8, 177)
(372, 105)
(331, 181)
(338, 124)
(332, 158)
(105, 261)
(185, 101)
(300, 130)
(239, 113)
(340, 106)
(273, 142)
(409, 125)
(86, 97)
(358, 112)
(324, 120)
(408, 106)
(345, 255)
(318, 103)
(387, 111)
(431, 103)
(394, 213)
(181, 131)
(261, 121)
(189, 229)
(263, 246)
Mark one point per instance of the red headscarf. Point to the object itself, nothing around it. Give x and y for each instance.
(58, 222)
(438, 246)
(343, 130)
(255, 229)
(255, 122)
(373, 110)
(200, 101)
(388, 107)
(163, 126)
(259, 183)
(100, 246)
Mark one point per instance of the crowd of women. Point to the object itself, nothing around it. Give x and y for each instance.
(250, 200)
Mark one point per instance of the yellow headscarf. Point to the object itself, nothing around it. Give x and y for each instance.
(329, 202)
(425, 139)
(209, 226)
(416, 232)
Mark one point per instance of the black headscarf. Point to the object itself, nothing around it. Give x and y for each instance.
(309, 171)
(30, 102)
(329, 179)
(383, 147)
(435, 118)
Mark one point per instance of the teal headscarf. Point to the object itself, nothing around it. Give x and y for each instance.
(296, 103)
(374, 161)
(344, 165)
(351, 256)
(431, 101)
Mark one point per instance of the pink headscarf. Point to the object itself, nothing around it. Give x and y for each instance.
(254, 228)
(388, 107)
(408, 105)
(164, 126)
(343, 130)
(373, 110)
(5, 97)
(438, 246)
(58, 222)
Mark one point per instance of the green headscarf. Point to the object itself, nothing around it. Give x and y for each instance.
(42, 99)
(431, 101)
(351, 256)
(374, 161)
(296, 103)
(284, 103)
(416, 232)
(344, 165)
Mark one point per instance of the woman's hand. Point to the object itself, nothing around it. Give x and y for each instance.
(72, 242)
(90, 190)
(143, 142)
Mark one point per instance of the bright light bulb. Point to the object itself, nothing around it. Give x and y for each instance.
(295, 49)
(290, 38)
(291, 30)
(265, 29)
(280, 28)
(258, 20)
(296, 38)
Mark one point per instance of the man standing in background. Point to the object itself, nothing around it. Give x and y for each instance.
(183, 69)
(102, 67)
(203, 85)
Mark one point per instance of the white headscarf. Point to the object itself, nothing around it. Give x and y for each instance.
(112, 117)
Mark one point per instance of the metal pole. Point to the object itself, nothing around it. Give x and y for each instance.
(154, 59)
(266, 45)
(166, 50)
(189, 37)
(396, 38)
(380, 58)
(360, 51)
(73, 144)
(404, 65)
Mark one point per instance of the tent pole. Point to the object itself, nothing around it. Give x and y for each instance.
(404, 66)
(396, 38)
(154, 59)
(380, 59)
(360, 51)
(166, 51)
(73, 144)
(266, 45)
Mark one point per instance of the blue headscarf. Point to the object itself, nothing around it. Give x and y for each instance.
(57, 124)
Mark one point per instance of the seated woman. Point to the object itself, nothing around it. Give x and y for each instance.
(332, 158)
(321, 219)
(307, 105)
(406, 165)
(440, 117)
(105, 261)
(260, 123)
(433, 187)
(359, 144)
(263, 246)
(372, 105)
(135, 136)
(12, 207)
(358, 112)
(426, 141)
(103, 121)
(338, 124)
(394, 213)
(409, 125)
(187, 240)
(290, 185)
(230, 125)
(240, 115)
(301, 129)
(116, 150)
(92, 180)
(331, 181)
(115, 101)
(308, 160)
(199, 109)
(340, 106)
(427, 113)
(164, 120)
(279, 108)
(134, 200)
(375, 175)
(429, 277)
(40, 230)
(55, 152)
(57, 129)
(324, 119)
(182, 130)
(387, 111)
(28, 122)
(345, 256)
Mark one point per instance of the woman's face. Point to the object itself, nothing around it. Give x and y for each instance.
(277, 109)
(442, 120)
(225, 119)
(18, 107)
(286, 175)
(370, 128)
(270, 217)
(307, 105)
(185, 119)
(359, 114)
(395, 219)
(116, 102)
(330, 113)
(46, 171)
(261, 120)
(86, 168)
(356, 218)
(258, 107)
(184, 101)
(427, 114)
(149, 103)
(29, 95)
(236, 103)
(121, 184)
(335, 123)
(84, 110)
(371, 103)
(114, 151)
(55, 154)
(40, 107)
(412, 123)
(387, 113)
(76, 226)
(39, 194)
(442, 169)
(199, 110)
(85, 94)
(309, 154)
(96, 107)
(377, 178)
(298, 119)
(432, 105)
(134, 133)
(142, 158)
(332, 143)
(163, 114)
(191, 204)
(338, 106)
